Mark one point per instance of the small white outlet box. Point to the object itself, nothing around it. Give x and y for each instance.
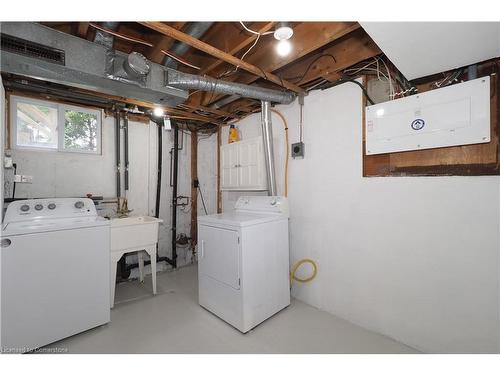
(23, 179)
(451, 116)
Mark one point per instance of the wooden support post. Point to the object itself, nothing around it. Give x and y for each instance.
(194, 189)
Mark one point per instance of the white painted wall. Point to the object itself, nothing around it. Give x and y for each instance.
(413, 258)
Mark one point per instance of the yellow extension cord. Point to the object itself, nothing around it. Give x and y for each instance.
(296, 266)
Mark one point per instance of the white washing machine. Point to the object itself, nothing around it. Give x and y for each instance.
(243, 261)
(54, 271)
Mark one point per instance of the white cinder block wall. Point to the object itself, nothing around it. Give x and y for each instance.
(416, 258)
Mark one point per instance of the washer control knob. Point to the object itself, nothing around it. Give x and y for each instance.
(25, 208)
(38, 206)
(51, 206)
(79, 204)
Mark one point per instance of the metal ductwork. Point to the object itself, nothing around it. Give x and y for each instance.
(267, 139)
(193, 82)
(196, 30)
(36, 51)
(103, 38)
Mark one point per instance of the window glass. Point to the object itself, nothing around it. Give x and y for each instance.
(81, 130)
(36, 125)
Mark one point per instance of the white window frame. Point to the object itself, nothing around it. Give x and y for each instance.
(61, 122)
(13, 117)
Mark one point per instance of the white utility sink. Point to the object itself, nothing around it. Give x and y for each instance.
(134, 234)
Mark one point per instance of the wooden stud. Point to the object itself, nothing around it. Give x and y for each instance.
(83, 29)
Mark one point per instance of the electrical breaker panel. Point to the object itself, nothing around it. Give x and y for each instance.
(450, 116)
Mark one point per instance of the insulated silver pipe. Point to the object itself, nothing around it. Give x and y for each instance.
(187, 81)
(196, 30)
(103, 37)
(267, 138)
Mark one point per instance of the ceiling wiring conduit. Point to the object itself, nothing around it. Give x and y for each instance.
(187, 81)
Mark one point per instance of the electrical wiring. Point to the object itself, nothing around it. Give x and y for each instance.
(232, 71)
(391, 87)
(301, 77)
(343, 80)
(255, 32)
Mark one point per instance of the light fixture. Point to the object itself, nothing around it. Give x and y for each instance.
(158, 111)
(282, 34)
(284, 47)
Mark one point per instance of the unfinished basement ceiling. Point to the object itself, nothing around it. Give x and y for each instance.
(321, 51)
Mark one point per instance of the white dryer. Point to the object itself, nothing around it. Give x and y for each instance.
(243, 262)
(54, 271)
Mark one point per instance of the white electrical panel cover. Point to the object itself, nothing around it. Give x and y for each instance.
(450, 116)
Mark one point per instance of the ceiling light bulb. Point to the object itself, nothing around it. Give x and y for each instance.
(158, 111)
(283, 32)
(284, 47)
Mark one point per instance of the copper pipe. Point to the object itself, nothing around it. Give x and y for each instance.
(179, 59)
(121, 36)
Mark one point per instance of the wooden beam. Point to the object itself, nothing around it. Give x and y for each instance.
(83, 28)
(239, 47)
(140, 103)
(308, 37)
(202, 46)
(215, 111)
(348, 51)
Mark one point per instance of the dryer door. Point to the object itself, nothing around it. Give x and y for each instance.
(219, 255)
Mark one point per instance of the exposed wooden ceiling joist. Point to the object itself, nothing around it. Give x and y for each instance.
(308, 37)
(234, 50)
(162, 42)
(202, 46)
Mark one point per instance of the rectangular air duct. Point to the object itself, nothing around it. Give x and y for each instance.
(33, 50)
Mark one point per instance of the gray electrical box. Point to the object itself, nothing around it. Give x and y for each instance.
(298, 150)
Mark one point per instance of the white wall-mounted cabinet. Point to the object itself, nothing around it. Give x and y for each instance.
(242, 165)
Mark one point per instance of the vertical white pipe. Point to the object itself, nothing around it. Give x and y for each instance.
(267, 138)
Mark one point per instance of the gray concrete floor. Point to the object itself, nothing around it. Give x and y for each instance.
(173, 322)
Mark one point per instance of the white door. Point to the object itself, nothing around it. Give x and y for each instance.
(229, 161)
(219, 256)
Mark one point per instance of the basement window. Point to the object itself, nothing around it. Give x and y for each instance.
(44, 125)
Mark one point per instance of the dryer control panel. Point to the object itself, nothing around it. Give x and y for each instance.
(263, 204)
(52, 208)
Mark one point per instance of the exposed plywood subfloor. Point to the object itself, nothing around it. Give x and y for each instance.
(173, 322)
